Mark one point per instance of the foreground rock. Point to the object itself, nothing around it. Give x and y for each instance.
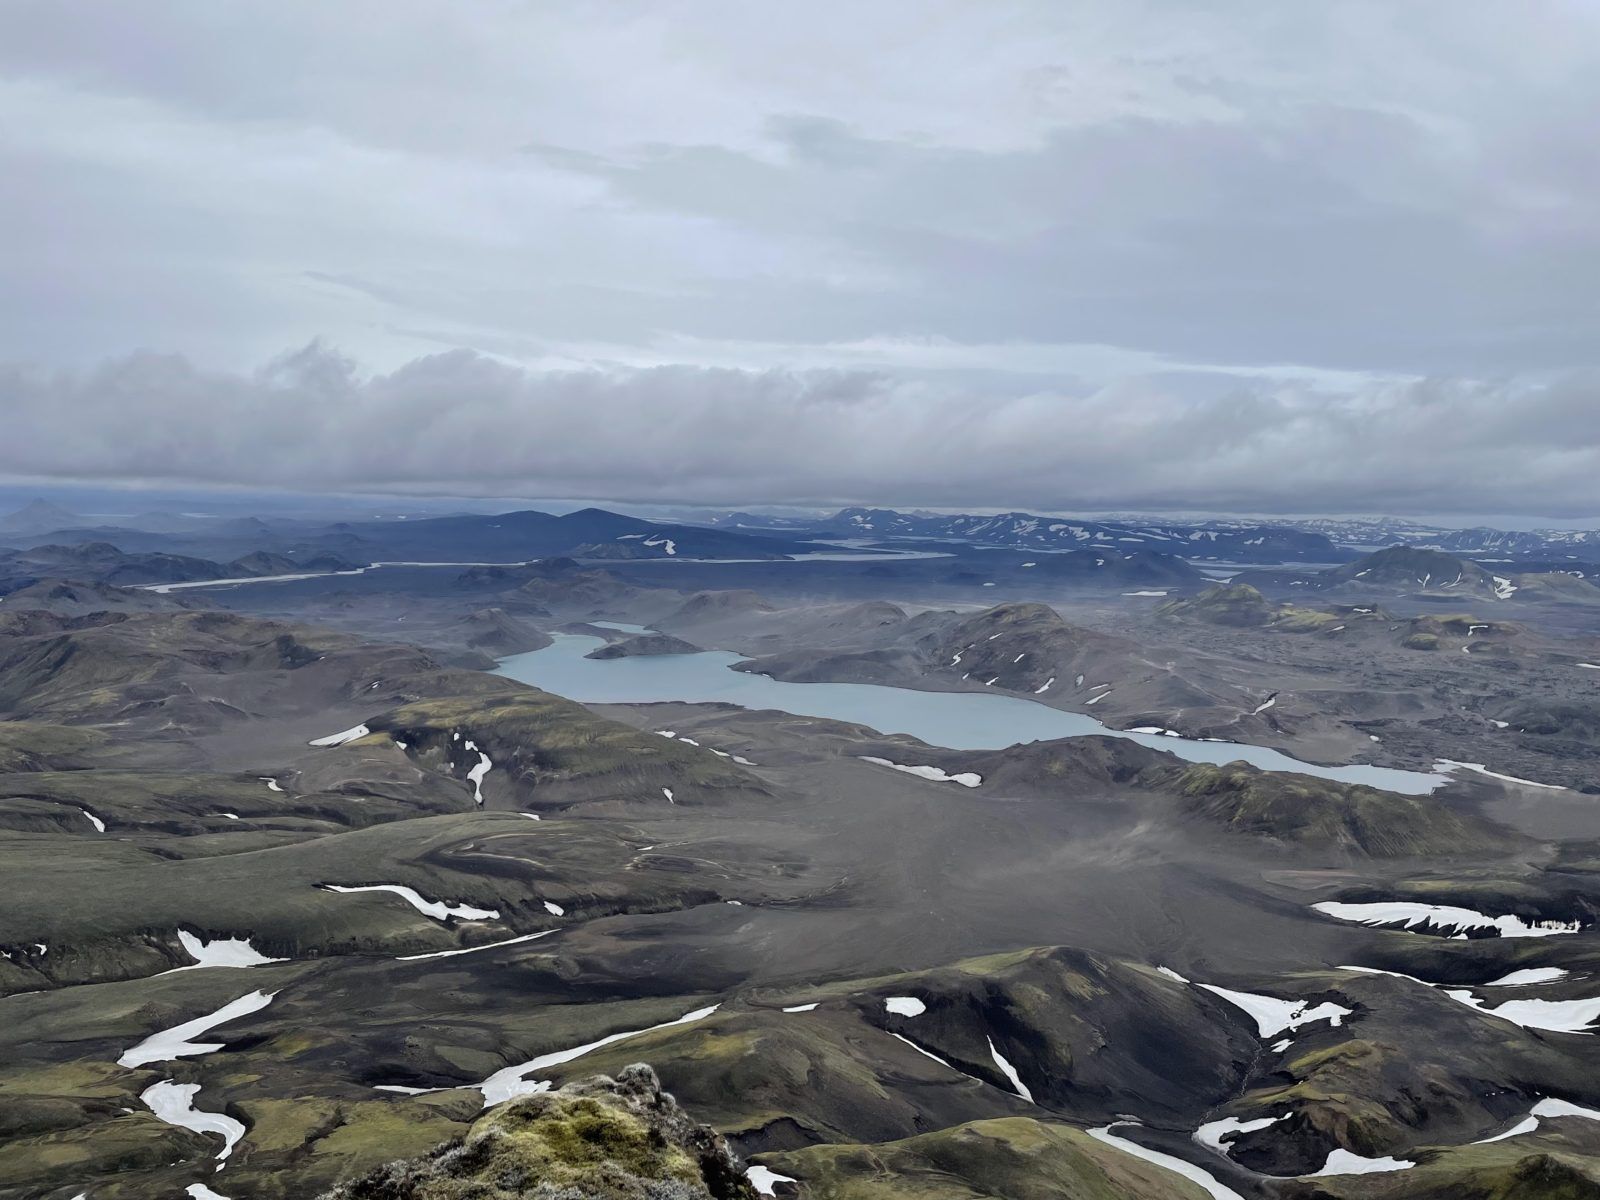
(602, 1139)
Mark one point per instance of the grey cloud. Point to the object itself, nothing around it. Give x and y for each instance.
(1364, 187)
(1032, 253)
(462, 423)
(1329, 236)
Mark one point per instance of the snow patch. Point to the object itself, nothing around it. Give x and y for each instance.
(174, 1104)
(1448, 764)
(1342, 1162)
(526, 937)
(1555, 1016)
(339, 739)
(965, 778)
(1546, 1107)
(1444, 918)
(1212, 1187)
(511, 1082)
(763, 1180)
(905, 1006)
(1528, 976)
(222, 952)
(1009, 1071)
(439, 910)
(1273, 1016)
(168, 1044)
(1214, 1135)
(478, 772)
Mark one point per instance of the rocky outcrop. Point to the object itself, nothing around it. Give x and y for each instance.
(597, 1139)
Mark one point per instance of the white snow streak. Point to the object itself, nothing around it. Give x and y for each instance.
(511, 1082)
(1342, 1162)
(1441, 917)
(1215, 1135)
(168, 1044)
(1528, 976)
(339, 739)
(936, 774)
(1009, 1071)
(526, 937)
(1274, 1016)
(763, 1179)
(1212, 1188)
(174, 1104)
(222, 952)
(1449, 764)
(437, 909)
(478, 772)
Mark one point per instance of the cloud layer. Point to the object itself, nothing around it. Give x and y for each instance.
(466, 424)
(1262, 254)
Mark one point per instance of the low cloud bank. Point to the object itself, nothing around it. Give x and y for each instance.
(467, 424)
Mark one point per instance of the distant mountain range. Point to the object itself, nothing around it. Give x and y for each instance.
(595, 533)
(103, 563)
(1432, 574)
(255, 547)
(1217, 540)
(1310, 539)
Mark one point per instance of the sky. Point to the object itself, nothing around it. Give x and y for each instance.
(1055, 255)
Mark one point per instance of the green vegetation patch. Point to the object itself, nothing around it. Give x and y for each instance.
(600, 1139)
(1017, 1158)
(1310, 811)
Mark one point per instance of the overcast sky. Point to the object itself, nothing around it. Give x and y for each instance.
(1055, 255)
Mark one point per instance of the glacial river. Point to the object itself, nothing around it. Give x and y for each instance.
(958, 720)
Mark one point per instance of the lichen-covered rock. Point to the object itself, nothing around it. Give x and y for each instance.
(597, 1139)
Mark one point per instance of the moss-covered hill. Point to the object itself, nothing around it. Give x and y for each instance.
(598, 1139)
(1016, 1157)
(1240, 605)
(1305, 810)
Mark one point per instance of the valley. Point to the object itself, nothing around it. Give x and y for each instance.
(904, 884)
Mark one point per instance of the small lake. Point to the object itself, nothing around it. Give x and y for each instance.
(958, 720)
